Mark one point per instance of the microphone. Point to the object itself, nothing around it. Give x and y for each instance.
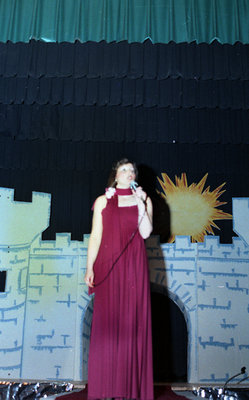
(133, 185)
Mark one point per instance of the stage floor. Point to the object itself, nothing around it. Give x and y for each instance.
(78, 391)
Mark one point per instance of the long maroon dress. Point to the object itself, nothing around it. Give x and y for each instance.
(120, 354)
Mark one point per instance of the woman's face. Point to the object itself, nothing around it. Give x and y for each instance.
(124, 175)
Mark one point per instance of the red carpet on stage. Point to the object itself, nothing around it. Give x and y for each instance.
(160, 393)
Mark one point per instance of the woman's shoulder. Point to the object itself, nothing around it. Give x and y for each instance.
(101, 199)
(100, 203)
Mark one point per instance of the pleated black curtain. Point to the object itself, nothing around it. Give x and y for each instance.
(203, 61)
(124, 124)
(68, 110)
(168, 92)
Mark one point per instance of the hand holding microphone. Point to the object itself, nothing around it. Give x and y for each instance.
(141, 197)
(138, 192)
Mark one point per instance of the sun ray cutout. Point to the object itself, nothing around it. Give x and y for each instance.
(193, 209)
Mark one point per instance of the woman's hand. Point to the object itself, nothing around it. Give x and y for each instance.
(139, 194)
(89, 278)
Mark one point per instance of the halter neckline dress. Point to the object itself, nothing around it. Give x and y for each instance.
(120, 353)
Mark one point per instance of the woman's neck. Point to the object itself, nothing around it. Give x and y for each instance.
(123, 191)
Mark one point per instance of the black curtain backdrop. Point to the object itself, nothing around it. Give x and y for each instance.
(68, 110)
(123, 124)
(170, 92)
(203, 61)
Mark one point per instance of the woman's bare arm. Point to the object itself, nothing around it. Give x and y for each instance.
(95, 239)
(145, 212)
(145, 215)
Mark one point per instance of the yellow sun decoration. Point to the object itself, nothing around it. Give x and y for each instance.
(192, 209)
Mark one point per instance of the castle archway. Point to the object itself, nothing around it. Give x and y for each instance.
(170, 336)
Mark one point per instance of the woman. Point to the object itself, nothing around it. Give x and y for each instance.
(120, 354)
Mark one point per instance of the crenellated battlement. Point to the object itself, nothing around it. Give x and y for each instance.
(241, 218)
(62, 245)
(210, 248)
(22, 221)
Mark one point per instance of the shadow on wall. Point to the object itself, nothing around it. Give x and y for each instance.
(170, 337)
(161, 213)
(169, 328)
(86, 332)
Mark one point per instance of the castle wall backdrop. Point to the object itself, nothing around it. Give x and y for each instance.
(46, 311)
